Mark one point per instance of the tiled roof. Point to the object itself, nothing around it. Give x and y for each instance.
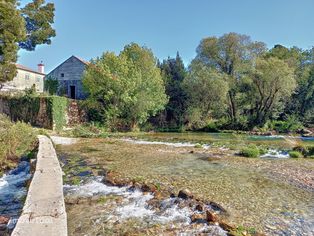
(21, 67)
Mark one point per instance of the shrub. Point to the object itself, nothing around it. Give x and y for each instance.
(295, 154)
(302, 149)
(16, 139)
(251, 151)
(310, 151)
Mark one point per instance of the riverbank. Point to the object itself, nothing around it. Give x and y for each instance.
(16, 140)
(258, 193)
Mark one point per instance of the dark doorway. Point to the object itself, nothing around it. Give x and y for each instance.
(72, 92)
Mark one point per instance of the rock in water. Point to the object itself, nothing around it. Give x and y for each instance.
(211, 217)
(185, 194)
(4, 219)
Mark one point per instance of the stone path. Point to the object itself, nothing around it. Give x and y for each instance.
(44, 210)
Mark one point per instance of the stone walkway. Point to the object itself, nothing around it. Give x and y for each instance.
(44, 210)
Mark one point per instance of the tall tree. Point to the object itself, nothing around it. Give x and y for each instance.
(207, 94)
(12, 31)
(22, 28)
(174, 72)
(272, 83)
(125, 89)
(233, 55)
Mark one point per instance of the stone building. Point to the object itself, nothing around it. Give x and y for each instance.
(26, 78)
(69, 75)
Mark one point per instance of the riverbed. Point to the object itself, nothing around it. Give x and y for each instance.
(270, 195)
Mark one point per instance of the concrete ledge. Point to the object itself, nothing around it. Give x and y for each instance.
(44, 210)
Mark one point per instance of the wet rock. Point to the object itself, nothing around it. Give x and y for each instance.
(226, 227)
(172, 195)
(199, 207)
(158, 195)
(185, 194)
(4, 220)
(211, 217)
(3, 228)
(101, 172)
(198, 218)
(148, 188)
(217, 207)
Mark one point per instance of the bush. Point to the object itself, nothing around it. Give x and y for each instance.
(310, 151)
(16, 139)
(251, 151)
(307, 151)
(302, 149)
(295, 154)
(291, 124)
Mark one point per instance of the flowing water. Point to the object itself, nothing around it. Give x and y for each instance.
(13, 192)
(274, 193)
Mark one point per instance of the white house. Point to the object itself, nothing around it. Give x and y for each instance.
(26, 78)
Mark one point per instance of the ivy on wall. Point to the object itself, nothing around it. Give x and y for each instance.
(57, 108)
(44, 111)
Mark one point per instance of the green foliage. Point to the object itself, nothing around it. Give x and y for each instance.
(57, 108)
(124, 90)
(295, 154)
(251, 151)
(310, 152)
(39, 18)
(12, 31)
(271, 83)
(302, 149)
(291, 124)
(207, 95)
(51, 85)
(22, 28)
(16, 139)
(173, 73)
(26, 108)
(232, 55)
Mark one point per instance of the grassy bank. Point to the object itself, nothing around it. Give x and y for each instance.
(16, 140)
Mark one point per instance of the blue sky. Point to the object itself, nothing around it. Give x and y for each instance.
(88, 28)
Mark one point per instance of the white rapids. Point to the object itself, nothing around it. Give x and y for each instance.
(272, 153)
(135, 205)
(178, 144)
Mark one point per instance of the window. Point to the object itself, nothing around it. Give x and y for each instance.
(62, 75)
(38, 79)
(26, 76)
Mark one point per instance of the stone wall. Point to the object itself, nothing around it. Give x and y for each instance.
(40, 112)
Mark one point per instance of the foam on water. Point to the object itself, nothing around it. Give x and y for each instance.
(179, 144)
(135, 205)
(12, 184)
(12, 190)
(272, 153)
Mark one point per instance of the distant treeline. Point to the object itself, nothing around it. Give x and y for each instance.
(232, 83)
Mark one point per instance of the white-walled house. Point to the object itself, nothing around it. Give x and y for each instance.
(26, 78)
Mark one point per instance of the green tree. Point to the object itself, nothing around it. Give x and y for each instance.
(125, 89)
(51, 85)
(174, 73)
(207, 92)
(233, 55)
(22, 28)
(272, 82)
(12, 31)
